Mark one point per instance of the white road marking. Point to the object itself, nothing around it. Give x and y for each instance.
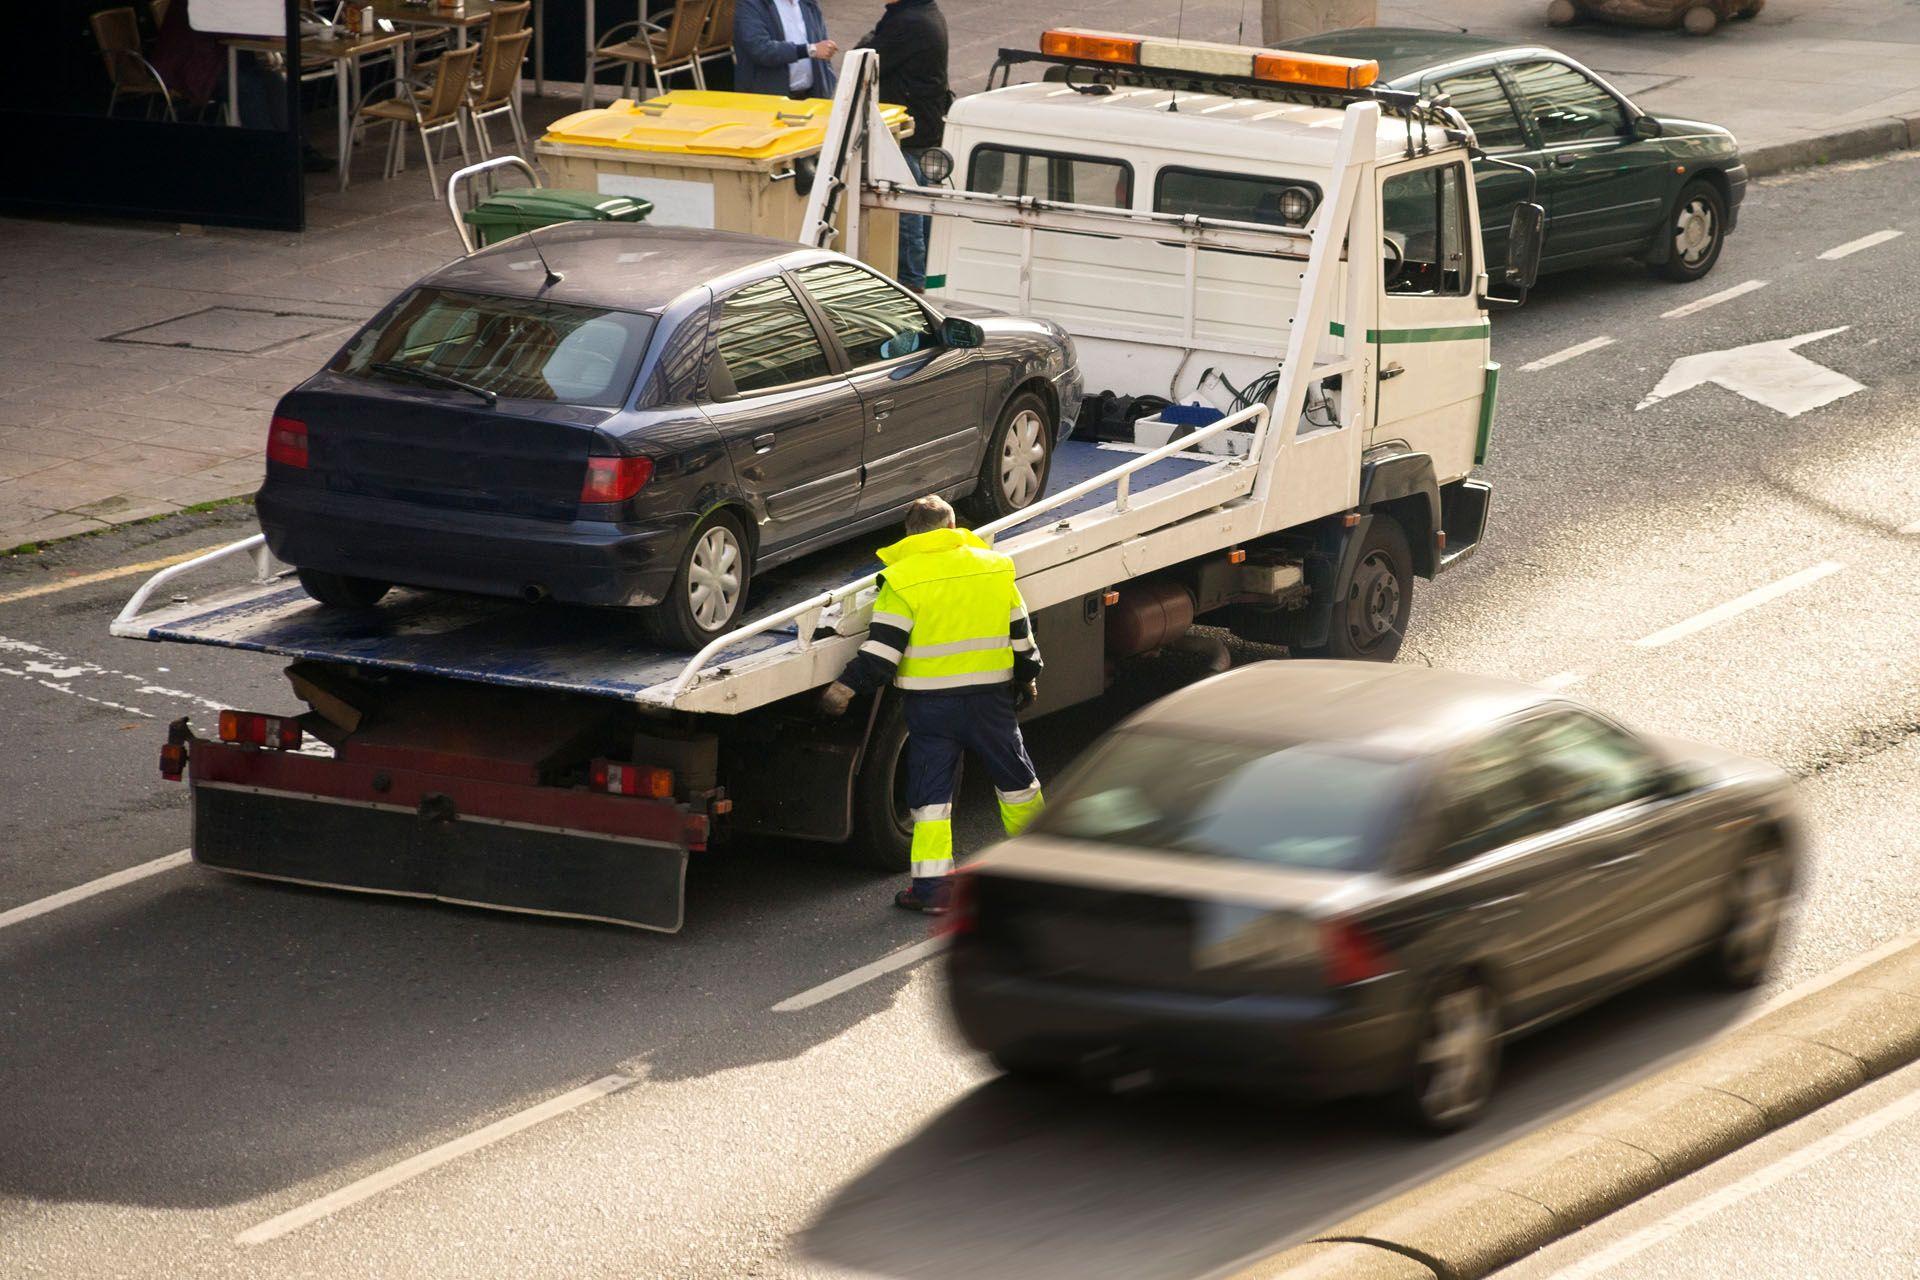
(864, 974)
(373, 1184)
(1544, 362)
(1738, 605)
(1759, 1180)
(1768, 373)
(92, 888)
(1713, 300)
(1565, 680)
(104, 575)
(57, 671)
(1854, 246)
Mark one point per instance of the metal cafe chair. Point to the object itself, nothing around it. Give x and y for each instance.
(497, 92)
(443, 107)
(117, 32)
(717, 40)
(663, 53)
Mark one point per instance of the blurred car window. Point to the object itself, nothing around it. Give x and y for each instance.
(1241, 197)
(1479, 96)
(874, 320)
(1492, 794)
(517, 348)
(1591, 765)
(766, 339)
(1567, 106)
(1425, 213)
(1304, 805)
(1009, 171)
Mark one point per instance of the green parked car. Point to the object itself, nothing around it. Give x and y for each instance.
(1615, 181)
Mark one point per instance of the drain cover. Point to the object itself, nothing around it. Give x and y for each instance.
(244, 331)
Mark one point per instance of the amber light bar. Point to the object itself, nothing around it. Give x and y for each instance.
(1093, 46)
(1205, 57)
(1315, 69)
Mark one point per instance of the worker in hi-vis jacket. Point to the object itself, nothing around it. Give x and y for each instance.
(950, 630)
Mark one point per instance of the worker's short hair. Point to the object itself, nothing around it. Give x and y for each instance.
(928, 514)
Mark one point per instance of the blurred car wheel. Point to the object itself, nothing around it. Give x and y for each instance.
(1457, 1058)
(342, 591)
(1758, 902)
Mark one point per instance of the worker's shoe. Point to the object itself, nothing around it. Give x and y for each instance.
(929, 896)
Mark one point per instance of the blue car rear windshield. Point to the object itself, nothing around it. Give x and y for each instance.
(1304, 805)
(517, 348)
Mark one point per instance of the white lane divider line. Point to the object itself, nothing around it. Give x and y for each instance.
(1864, 242)
(859, 977)
(374, 1183)
(1739, 605)
(1565, 680)
(1691, 1215)
(57, 671)
(92, 888)
(1544, 362)
(1712, 300)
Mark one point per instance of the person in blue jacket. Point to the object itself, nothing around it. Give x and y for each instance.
(781, 46)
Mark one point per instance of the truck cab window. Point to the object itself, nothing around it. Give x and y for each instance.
(1425, 218)
(1010, 171)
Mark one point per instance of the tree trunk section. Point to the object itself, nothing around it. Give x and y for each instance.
(1285, 20)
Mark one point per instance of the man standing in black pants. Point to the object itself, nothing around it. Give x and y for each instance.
(911, 39)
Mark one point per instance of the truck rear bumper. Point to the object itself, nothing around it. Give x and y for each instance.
(514, 848)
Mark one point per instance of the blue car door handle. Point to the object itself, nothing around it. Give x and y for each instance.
(763, 443)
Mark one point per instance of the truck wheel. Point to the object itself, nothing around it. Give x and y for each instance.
(1370, 620)
(1698, 225)
(882, 832)
(342, 591)
(1013, 474)
(710, 588)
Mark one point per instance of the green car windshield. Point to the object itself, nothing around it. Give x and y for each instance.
(514, 348)
(1306, 805)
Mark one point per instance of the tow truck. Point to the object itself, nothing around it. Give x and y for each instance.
(541, 759)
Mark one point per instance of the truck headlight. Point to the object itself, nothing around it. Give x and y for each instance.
(936, 166)
(1296, 205)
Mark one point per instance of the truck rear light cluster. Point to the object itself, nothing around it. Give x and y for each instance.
(615, 479)
(287, 442)
(250, 729)
(1350, 954)
(173, 760)
(632, 779)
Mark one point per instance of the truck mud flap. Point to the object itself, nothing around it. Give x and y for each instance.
(471, 861)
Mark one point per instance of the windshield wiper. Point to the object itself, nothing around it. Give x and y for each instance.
(428, 377)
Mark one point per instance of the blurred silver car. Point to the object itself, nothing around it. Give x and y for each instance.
(1333, 878)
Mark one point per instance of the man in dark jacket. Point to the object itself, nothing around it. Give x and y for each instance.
(911, 39)
(781, 46)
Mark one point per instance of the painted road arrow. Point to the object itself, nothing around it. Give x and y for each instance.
(1768, 373)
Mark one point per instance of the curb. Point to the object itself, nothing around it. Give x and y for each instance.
(1495, 1210)
(1871, 139)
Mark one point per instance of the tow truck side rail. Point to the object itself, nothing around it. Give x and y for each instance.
(125, 624)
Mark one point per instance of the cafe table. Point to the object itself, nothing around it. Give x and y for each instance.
(344, 53)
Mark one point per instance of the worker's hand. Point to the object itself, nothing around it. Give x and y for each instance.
(834, 699)
(1024, 694)
(824, 49)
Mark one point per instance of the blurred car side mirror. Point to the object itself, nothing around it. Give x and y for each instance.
(1646, 127)
(958, 332)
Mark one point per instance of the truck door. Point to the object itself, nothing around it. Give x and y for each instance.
(1430, 339)
(922, 401)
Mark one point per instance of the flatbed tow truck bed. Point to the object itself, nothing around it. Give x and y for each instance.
(557, 648)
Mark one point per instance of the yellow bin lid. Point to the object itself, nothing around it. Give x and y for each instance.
(702, 122)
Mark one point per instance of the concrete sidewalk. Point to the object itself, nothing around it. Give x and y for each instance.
(139, 364)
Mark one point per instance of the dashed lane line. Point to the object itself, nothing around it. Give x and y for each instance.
(1713, 300)
(103, 575)
(57, 671)
(92, 889)
(393, 1175)
(1562, 356)
(1864, 242)
(1759, 1180)
(859, 977)
(1739, 605)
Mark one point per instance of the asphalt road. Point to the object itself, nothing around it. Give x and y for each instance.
(188, 1058)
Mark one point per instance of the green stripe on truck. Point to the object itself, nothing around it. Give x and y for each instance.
(1488, 395)
(1438, 333)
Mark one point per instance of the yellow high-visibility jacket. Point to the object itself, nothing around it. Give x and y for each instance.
(948, 617)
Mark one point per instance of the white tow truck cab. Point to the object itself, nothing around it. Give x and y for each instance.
(1178, 208)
